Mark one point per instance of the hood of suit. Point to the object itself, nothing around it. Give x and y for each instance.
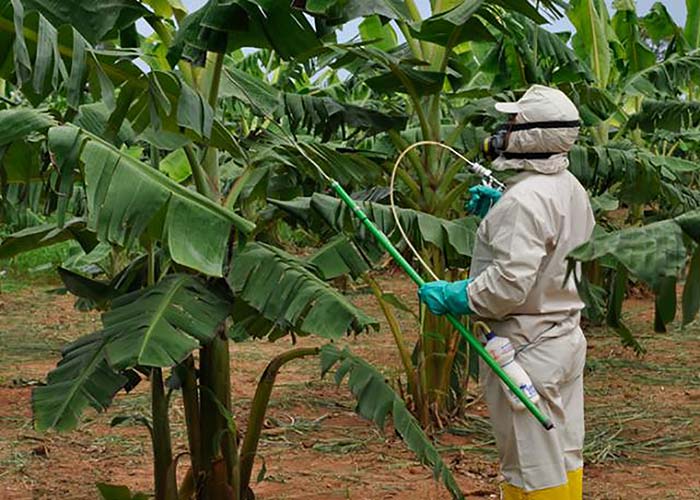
(545, 128)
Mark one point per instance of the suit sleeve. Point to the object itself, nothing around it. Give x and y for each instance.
(518, 236)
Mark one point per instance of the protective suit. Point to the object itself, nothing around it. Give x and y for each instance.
(517, 284)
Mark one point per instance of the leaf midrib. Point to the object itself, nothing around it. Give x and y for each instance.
(96, 358)
(159, 313)
(596, 56)
(175, 189)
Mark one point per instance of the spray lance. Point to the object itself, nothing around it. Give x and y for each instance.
(487, 179)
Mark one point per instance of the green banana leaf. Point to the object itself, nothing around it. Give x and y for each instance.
(82, 378)
(673, 115)
(340, 257)
(40, 39)
(44, 235)
(277, 293)
(378, 34)
(18, 123)
(222, 27)
(157, 326)
(336, 13)
(637, 175)
(455, 238)
(538, 54)
(657, 254)
(96, 21)
(161, 325)
(389, 72)
(320, 115)
(692, 23)
(591, 42)
(666, 78)
(456, 25)
(638, 56)
(127, 199)
(650, 252)
(376, 400)
(659, 25)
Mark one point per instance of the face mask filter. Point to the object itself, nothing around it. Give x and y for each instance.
(495, 145)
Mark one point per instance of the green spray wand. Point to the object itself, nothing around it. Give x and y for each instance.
(417, 279)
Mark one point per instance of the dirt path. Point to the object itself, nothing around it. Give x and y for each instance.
(643, 419)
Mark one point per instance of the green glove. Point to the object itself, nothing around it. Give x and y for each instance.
(482, 199)
(442, 297)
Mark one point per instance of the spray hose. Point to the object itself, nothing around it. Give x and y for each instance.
(384, 241)
(485, 173)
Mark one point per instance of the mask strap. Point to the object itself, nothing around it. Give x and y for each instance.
(529, 156)
(553, 124)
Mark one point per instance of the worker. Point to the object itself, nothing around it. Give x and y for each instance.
(518, 284)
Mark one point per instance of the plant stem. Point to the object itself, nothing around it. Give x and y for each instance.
(448, 367)
(190, 401)
(213, 79)
(201, 181)
(163, 470)
(423, 409)
(189, 73)
(412, 42)
(161, 29)
(401, 144)
(450, 172)
(415, 15)
(237, 187)
(214, 358)
(449, 198)
(456, 132)
(415, 100)
(258, 409)
(155, 157)
(399, 339)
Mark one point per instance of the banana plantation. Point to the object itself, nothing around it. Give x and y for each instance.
(178, 274)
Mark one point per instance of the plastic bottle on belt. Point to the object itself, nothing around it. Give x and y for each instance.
(501, 349)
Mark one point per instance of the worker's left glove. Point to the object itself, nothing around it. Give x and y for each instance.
(482, 199)
(442, 297)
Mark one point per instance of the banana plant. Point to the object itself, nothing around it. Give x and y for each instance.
(192, 274)
(643, 155)
(430, 78)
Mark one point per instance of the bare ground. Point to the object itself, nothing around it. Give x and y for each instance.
(643, 418)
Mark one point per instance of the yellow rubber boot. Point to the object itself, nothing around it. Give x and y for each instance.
(511, 492)
(575, 478)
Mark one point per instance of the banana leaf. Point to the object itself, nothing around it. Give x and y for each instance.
(277, 293)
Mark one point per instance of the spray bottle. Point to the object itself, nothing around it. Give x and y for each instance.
(503, 352)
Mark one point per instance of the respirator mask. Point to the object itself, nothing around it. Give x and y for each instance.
(496, 145)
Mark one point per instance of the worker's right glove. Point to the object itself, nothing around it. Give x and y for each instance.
(442, 297)
(482, 199)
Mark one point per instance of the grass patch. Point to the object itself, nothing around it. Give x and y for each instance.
(34, 267)
(642, 372)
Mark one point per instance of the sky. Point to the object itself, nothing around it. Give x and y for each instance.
(676, 8)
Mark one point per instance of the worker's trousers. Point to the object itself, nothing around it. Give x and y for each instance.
(531, 457)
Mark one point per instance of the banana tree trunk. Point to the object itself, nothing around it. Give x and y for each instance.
(218, 449)
(163, 467)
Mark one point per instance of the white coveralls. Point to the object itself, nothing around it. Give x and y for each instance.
(518, 287)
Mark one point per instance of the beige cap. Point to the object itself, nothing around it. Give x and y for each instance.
(541, 104)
